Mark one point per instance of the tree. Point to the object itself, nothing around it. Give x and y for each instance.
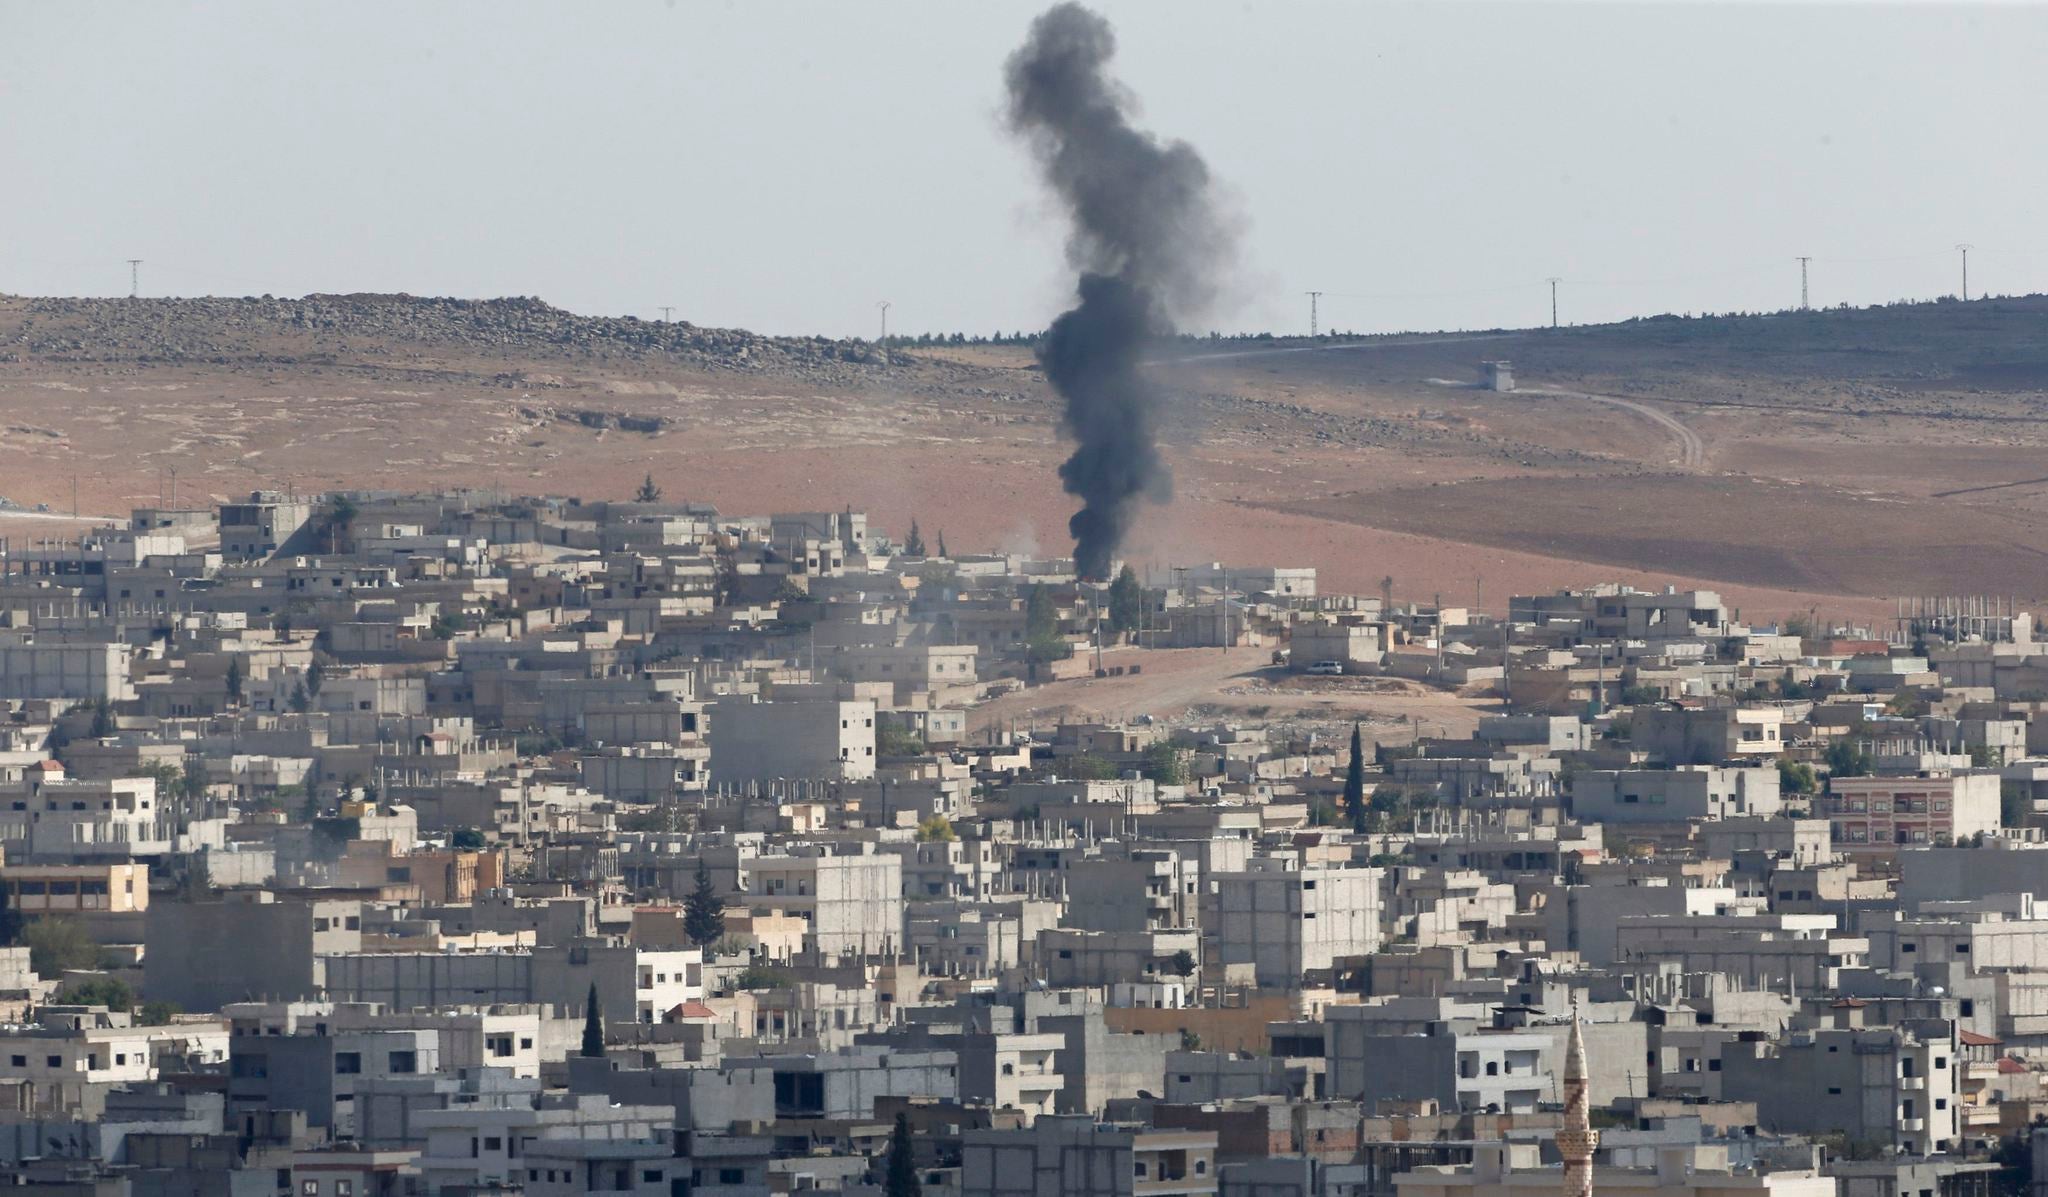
(1166, 764)
(593, 1028)
(111, 992)
(1041, 618)
(1848, 758)
(466, 839)
(316, 675)
(942, 544)
(1182, 964)
(157, 1013)
(1796, 777)
(57, 946)
(1086, 767)
(1386, 594)
(648, 492)
(1126, 601)
(703, 912)
(1354, 782)
(234, 679)
(1042, 639)
(300, 700)
(902, 1178)
(339, 518)
(936, 830)
(913, 544)
(102, 718)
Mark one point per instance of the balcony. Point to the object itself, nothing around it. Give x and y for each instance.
(1913, 1084)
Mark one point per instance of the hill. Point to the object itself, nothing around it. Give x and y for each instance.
(1795, 460)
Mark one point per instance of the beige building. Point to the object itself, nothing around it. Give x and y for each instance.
(81, 889)
(1516, 1170)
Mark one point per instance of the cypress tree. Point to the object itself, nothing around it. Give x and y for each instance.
(902, 1178)
(593, 1027)
(1354, 783)
(703, 913)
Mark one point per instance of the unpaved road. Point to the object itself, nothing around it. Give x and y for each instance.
(1240, 684)
(1692, 454)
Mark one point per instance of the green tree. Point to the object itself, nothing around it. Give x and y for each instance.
(1354, 782)
(648, 492)
(111, 992)
(1796, 777)
(1848, 758)
(593, 1027)
(1126, 601)
(902, 1177)
(157, 1013)
(234, 679)
(316, 675)
(1182, 964)
(703, 912)
(1041, 618)
(913, 544)
(942, 544)
(1085, 767)
(1042, 638)
(57, 946)
(466, 839)
(1166, 764)
(894, 739)
(936, 830)
(102, 718)
(300, 700)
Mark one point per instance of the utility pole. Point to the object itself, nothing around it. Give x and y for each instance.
(1803, 305)
(1965, 251)
(882, 306)
(134, 278)
(1313, 296)
(1553, 301)
(666, 309)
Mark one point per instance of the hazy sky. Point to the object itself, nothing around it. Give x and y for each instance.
(782, 166)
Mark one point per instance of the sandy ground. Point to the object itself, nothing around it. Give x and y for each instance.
(1828, 483)
(1192, 687)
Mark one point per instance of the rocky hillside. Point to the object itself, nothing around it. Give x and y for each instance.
(319, 328)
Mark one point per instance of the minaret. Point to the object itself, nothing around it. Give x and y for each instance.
(1577, 1140)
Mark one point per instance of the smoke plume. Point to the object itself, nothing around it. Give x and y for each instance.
(1147, 244)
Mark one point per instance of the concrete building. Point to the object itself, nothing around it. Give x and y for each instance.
(1686, 794)
(1077, 1157)
(1707, 735)
(1286, 921)
(1891, 1086)
(58, 670)
(808, 739)
(852, 898)
(1871, 811)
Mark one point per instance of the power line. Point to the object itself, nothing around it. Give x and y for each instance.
(1553, 301)
(1965, 250)
(1803, 305)
(665, 311)
(134, 278)
(1313, 296)
(882, 306)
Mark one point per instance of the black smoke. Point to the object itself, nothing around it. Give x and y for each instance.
(1148, 245)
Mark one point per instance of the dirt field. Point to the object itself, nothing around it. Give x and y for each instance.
(1192, 687)
(1829, 460)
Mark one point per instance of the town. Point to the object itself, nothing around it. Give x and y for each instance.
(367, 843)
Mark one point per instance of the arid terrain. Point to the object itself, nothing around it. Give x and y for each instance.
(1824, 460)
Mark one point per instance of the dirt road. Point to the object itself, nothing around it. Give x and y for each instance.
(1692, 454)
